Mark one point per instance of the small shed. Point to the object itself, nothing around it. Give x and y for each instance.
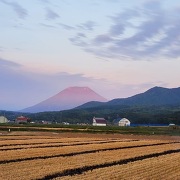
(124, 122)
(22, 120)
(3, 119)
(99, 122)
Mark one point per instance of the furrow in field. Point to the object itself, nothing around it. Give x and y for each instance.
(153, 168)
(25, 138)
(39, 168)
(74, 153)
(31, 141)
(54, 140)
(53, 144)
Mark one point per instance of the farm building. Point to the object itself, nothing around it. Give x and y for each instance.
(122, 122)
(3, 119)
(22, 120)
(99, 122)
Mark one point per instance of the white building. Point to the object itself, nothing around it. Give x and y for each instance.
(124, 122)
(3, 119)
(99, 122)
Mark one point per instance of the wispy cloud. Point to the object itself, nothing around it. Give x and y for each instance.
(47, 25)
(51, 14)
(65, 26)
(8, 63)
(89, 25)
(44, 1)
(18, 9)
(141, 33)
(77, 40)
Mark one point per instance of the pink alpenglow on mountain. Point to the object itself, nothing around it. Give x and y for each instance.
(67, 99)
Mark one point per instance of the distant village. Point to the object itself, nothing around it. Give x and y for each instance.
(96, 121)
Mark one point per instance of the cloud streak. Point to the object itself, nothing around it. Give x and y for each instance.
(8, 63)
(51, 15)
(18, 9)
(142, 33)
(89, 25)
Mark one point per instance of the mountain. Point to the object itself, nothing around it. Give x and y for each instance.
(67, 99)
(156, 96)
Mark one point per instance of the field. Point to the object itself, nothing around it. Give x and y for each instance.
(50, 155)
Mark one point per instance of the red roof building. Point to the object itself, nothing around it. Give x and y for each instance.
(99, 122)
(22, 120)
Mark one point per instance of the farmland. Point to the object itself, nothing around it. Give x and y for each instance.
(48, 155)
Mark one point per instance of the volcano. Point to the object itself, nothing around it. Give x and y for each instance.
(67, 99)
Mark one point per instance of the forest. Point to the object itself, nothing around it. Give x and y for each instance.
(136, 114)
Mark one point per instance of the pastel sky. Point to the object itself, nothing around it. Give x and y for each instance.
(116, 47)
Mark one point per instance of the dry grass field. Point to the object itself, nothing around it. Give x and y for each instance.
(47, 155)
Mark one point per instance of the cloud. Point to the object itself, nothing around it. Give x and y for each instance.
(7, 63)
(146, 32)
(51, 15)
(18, 9)
(47, 26)
(89, 25)
(66, 27)
(102, 39)
(44, 1)
(78, 40)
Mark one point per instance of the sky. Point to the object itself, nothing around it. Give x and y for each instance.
(118, 48)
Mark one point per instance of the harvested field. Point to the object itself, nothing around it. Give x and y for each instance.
(101, 156)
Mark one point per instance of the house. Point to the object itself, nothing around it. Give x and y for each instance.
(99, 122)
(3, 119)
(122, 122)
(22, 120)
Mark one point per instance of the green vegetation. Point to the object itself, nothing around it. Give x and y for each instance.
(93, 129)
(136, 114)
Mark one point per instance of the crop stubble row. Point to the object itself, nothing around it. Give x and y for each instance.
(56, 151)
(6, 147)
(162, 167)
(54, 165)
(44, 140)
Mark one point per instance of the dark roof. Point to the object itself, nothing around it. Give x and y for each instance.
(100, 120)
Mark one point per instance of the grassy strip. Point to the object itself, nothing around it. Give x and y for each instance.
(75, 171)
(94, 129)
(82, 152)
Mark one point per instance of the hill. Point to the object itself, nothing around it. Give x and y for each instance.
(156, 96)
